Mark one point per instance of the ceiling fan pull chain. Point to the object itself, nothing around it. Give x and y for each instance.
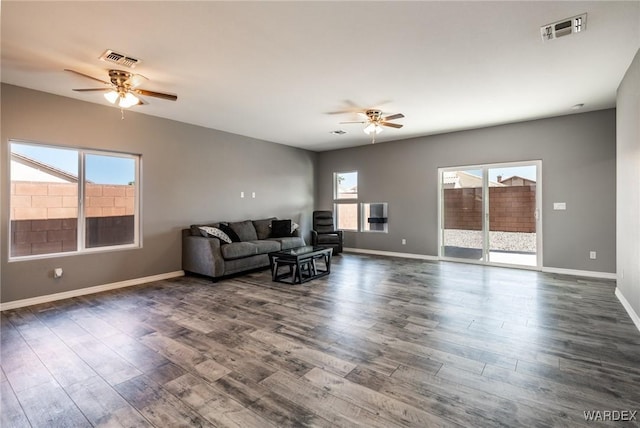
(122, 113)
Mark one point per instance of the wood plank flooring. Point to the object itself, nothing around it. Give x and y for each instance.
(381, 342)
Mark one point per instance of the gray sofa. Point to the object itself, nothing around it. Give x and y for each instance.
(212, 257)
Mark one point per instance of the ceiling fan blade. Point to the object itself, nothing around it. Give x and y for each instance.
(136, 80)
(93, 89)
(169, 97)
(392, 125)
(393, 116)
(353, 122)
(352, 104)
(87, 76)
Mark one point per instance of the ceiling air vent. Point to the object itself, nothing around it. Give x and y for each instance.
(563, 28)
(118, 58)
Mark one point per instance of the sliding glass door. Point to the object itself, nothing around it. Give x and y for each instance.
(513, 214)
(462, 196)
(490, 213)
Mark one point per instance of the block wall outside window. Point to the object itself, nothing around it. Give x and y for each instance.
(512, 209)
(347, 216)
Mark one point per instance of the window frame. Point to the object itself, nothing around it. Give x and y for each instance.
(81, 232)
(345, 201)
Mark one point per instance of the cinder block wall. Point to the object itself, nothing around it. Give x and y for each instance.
(512, 209)
(44, 216)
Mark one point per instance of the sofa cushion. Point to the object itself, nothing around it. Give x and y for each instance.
(289, 242)
(263, 227)
(266, 245)
(214, 232)
(230, 232)
(245, 230)
(237, 250)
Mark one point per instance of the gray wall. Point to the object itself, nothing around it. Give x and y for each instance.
(190, 174)
(628, 203)
(578, 154)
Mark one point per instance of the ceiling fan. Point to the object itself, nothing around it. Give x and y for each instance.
(122, 88)
(375, 121)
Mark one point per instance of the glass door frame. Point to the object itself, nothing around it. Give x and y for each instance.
(485, 209)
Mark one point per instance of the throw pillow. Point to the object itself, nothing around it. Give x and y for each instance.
(294, 226)
(230, 232)
(280, 228)
(195, 228)
(214, 232)
(263, 227)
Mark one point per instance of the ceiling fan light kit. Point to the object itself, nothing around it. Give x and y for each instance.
(372, 128)
(128, 100)
(375, 121)
(112, 96)
(124, 99)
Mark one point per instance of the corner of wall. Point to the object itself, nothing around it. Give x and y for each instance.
(627, 195)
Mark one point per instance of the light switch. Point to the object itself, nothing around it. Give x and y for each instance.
(559, 206)
(242, 194)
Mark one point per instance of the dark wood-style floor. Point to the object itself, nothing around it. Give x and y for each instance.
(380, 342)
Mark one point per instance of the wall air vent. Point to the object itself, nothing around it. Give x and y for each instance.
(563, 28)
(118, 58)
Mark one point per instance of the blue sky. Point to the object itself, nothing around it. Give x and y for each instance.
(350, 179)
(99, 169)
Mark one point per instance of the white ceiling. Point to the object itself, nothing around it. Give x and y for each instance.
(278, 70)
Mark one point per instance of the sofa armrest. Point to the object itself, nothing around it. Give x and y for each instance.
(202, 255)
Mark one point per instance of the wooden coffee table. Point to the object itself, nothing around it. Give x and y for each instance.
(301, 263)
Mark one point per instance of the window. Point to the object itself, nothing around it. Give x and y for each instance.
(345, 197)
(374, 217)
(346, 185)
(65, 200)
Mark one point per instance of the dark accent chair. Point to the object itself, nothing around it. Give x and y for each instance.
(324, 233)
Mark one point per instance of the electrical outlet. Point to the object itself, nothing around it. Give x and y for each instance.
(404, 241)
(592, 255)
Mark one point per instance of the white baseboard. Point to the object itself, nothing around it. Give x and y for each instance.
(627, 306)
(390, 254)
(574, 272)
(89, 290)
